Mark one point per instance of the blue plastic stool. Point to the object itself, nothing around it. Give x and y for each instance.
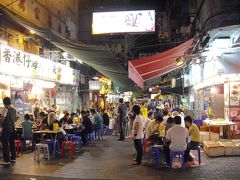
(199, 153)
(69, 136)
(156, 150)
(77, 142)
(50, 144)
(180, 154)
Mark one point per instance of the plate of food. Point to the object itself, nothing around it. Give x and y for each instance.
(235, 92)
(234, 98)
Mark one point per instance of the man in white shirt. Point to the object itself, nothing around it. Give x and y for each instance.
(137, 133)
(177, 136)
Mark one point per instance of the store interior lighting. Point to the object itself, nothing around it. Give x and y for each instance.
(217, 79)
(221, 43)
(198, 61)
(95, 78)
(66, 56)
(32, 32)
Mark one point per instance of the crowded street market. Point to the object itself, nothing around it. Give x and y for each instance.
(119, 89)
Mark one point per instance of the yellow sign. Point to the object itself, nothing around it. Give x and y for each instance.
(105, 85)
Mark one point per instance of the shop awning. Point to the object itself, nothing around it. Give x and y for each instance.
(147, 68)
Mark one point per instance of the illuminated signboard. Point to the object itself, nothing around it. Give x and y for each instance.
(18, 63)
(123, 21)
(94, 85)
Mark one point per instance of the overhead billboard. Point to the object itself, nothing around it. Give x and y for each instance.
(123, 22)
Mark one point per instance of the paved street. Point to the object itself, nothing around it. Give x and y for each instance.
(111, 159)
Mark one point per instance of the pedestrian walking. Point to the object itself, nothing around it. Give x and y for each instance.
(122, 113)
(137, 133)
(7, 122)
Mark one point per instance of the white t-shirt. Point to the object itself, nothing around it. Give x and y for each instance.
(182, 121)
(178, 136)
(138, 119)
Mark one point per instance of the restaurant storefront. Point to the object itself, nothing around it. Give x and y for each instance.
(215, 80)
(99, 91)
(33, 81)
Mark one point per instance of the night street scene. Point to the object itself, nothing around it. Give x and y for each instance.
(120, 89)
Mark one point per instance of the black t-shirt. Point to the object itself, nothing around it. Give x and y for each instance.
(45, 120)
(10, 119)
(70, 120)
(105, 119)
(88, 126)
(63, 120)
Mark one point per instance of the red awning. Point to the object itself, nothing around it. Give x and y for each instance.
(140, 70)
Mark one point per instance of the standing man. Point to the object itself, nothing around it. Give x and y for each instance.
(137, 133)
(122, 113)
(7, 121)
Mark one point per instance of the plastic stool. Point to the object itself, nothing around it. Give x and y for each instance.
(173, 154)
(51, 144)
(70, 146)
(38, 148)
(199, 153)
(145, 143)
(77, 141)
(24, 143)
(156, 150)
(18, 144)
(69, 136)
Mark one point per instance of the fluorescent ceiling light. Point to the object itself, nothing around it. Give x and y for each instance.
(221, 43)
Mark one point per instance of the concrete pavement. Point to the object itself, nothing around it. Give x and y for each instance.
(111, 159)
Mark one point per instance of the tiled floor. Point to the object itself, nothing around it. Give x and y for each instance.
(111, 159)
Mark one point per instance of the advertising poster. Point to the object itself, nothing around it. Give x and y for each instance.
(123, 21)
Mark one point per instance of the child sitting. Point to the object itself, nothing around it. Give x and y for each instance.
(27, 127)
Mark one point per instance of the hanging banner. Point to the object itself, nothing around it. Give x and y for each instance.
(18, 63)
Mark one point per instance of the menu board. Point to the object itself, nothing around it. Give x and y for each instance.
(234, 94)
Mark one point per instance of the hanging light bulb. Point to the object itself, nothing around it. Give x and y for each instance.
(180, 61)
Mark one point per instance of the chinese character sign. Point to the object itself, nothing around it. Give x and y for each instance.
(15, 62)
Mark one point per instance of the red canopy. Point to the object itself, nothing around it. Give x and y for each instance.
(140, 70)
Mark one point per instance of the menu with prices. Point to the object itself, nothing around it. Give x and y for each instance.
(234, 94)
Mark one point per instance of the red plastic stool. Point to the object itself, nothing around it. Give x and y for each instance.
(68, 145)
(145, 143)
(18, 144)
